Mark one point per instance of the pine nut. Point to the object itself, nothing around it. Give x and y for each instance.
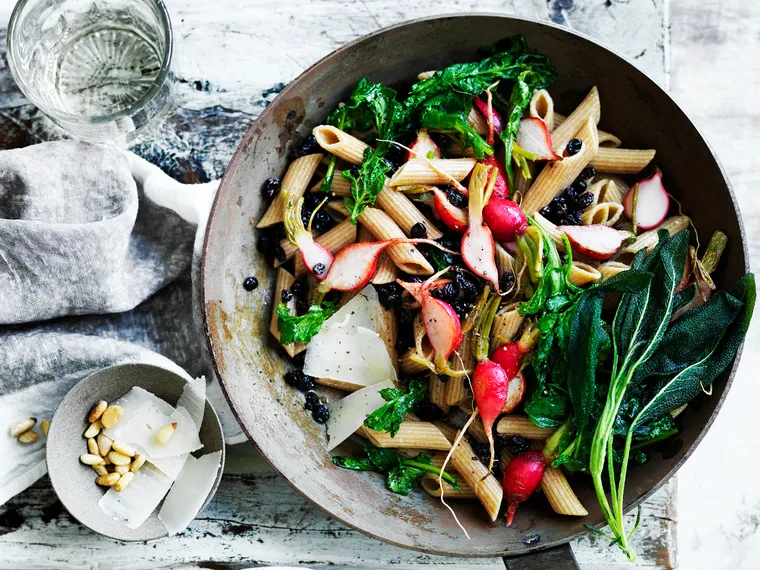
(92, 446)
(89, 459)
(21, 426)
(45, 427)
(119, 459)
(108, 480)
(123, 448)
(165, 433)
(97, 411)
(125, 480)
(28, 437)
(104, 444)
(112, 416)
(94, 429)
(120, 469)
(106, 460)
(137, 463)
(100, 470)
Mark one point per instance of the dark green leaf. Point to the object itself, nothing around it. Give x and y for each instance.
(456, 126)
(389, 417)
(403, 479)
(368, 183)
(354, 464)
(302, 328)
(382, 459)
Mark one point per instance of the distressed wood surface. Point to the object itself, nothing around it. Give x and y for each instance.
(232, 58)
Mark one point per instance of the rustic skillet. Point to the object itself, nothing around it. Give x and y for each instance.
(250, 365)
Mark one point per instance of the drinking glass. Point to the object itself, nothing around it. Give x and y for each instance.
(98, 68)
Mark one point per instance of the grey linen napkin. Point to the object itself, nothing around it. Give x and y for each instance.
(99, 264)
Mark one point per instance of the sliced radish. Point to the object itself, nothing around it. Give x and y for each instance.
(315, 257)
(415, 289)
(505, 219)
(453, 217)
(534, 137)
(478, 248)
(496, 123)
(423, 147)
(597, 241)
(442, 326)
(652, 203)
(501, 188)
(517, 387)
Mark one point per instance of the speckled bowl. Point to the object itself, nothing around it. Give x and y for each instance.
(74, 482)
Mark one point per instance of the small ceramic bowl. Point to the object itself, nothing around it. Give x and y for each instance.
(74, 482)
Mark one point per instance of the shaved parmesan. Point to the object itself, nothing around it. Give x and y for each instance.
(139, 499)
(364, 310)
(193, 399)
(358, 357)
(169, 466)
(135, 398)
(147, 420)
(189, 492)
(348, 414)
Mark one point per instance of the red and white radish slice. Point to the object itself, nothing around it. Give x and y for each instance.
(490, 386)
(478, 248)
(453, 217)
(517, 388)
(496, 121)
(652, 203)
(597, 241)
(442, 325)
(315, 257)
(534, 137)
(505, 219)
(501, 187)
(415, 289)
(423, 146)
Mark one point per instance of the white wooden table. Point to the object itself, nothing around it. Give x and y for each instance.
(233, 57)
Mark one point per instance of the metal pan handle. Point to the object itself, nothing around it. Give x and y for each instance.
(559, 558)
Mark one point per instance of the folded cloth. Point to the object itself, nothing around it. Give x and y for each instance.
(99, 264)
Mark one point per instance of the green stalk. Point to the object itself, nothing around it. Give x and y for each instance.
(431, 469)
(481, 338)
(330, 173)
(713, 251)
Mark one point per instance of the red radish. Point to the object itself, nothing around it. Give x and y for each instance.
(423, 146)
(508, 356)
(596, 241)
(478, 248)
(505, 219)
(315, 257)
(522, 476)
(453, 217)
(490, 385)
(501, 188)
(497, 122)
(517, 387)
(652, 203)
(534, 137)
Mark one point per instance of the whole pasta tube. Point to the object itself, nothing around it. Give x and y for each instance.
(589, 110)
(583, 274)
(433, 171)
(283, 282)
(542, 107)
(407, 257)
(403, 211)
(607, 213)
(622, 160)
(605, 139)
(560, 494)
(556, 176)
(521, 425)
(295, 182)
(506, 325)
(340, 143)
(421, 435)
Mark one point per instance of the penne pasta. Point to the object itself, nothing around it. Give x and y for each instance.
(403, 211)
(506, 325)
(583, 274)
(649, 238)
(425, 75)
(556, 176)
(463, 359)
(476, 431)
(477, 121)
(386, 271)
(409, 365)
(422, 435)
(622, 160)
(389, 334)
(542, 107)
(589, 110)
(339, 384)
(472, 471)
(607, 213)
(560, 495)
(289, 249)
(522, 184)
(611, 268)
(340, 143)
(294, 183)
(605, 139)
(505, 261)
(407, 257)
(433, 171)
(550, 229)
(337, 208)
(333, 241)
(521, 425)
(283, 282)
(431, 486)
(437, 392)
(338, 187)
(614, 190)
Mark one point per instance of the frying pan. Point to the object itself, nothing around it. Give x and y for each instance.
(250, 365)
